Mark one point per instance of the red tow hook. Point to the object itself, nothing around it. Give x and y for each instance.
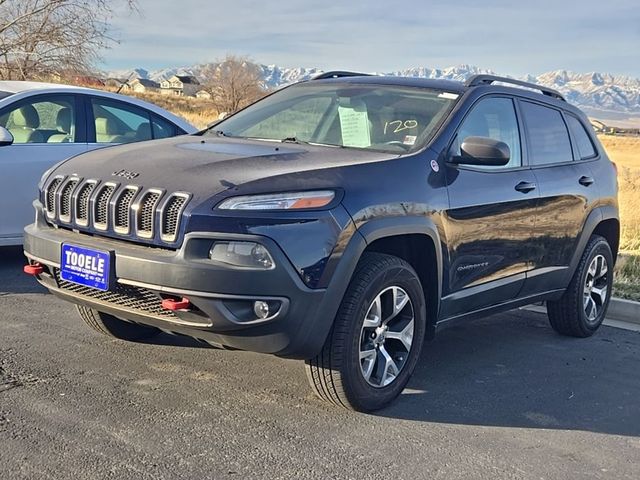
(35, 269)
(173, 304)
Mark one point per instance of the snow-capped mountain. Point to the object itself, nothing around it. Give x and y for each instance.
(596, 92)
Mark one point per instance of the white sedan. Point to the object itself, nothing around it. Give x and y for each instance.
(42, 124)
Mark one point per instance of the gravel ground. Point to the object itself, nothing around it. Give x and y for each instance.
(499, 398)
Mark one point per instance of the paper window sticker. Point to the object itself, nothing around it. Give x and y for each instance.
(409, 139)
(354, 126)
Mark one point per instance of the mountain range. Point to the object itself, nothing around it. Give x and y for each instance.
(613, 98)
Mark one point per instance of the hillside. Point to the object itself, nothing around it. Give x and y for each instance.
(611, 98)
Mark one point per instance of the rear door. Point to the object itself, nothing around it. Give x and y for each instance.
(491, 217)
(47, 129)
(567, 191)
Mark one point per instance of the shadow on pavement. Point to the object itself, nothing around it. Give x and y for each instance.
(12, 278)
(175, 340)
(509, 370)
(518, 373)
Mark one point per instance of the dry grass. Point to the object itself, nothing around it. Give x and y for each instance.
(198, 112)
(625, 151)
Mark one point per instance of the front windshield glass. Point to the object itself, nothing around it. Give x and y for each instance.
(5, 94)
(386, 118)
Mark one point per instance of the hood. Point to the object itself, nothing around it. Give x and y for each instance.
(205, 166)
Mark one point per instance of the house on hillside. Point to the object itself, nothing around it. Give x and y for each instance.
(143, 85)
(114, 82)
(203, 94)
(181, 85)
(598, 126)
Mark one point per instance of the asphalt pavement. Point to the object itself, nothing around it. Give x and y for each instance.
(503, 397)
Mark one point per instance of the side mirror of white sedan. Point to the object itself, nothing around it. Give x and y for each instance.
(5, 137)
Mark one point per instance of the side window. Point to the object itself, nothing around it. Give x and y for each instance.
(162, 128)
(547, 134)
(583, 141)
(42, 120)
(493, 118)
(116, 122)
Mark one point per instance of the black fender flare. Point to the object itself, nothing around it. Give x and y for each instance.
(410, 225)
(595, 217)
(362, 237)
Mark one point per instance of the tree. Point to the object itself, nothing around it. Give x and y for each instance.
(40, 38)
(234, 83)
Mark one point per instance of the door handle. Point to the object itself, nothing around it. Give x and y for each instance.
(525, 187)
(586, 181)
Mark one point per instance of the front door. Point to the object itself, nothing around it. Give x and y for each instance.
(491, 216)
(46, 130)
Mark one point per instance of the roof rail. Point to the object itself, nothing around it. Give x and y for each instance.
(483, 79)
(339, 74)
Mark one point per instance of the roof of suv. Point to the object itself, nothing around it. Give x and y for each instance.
(448, 85)
(481, 80)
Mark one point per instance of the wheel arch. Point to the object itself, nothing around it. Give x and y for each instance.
(609, 228)
(602, 221)
(415, 240)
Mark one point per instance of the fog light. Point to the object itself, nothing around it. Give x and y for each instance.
(242, 254)
(261, 309)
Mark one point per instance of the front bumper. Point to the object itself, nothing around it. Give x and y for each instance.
(221, 296)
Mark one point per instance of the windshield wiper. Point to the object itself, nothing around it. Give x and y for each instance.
(305, 142)
(294, 140)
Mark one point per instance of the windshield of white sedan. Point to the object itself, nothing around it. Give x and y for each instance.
(371, 117)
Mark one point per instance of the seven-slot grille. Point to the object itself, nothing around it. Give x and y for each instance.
(121, 210)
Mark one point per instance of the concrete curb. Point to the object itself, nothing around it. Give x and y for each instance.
(621, 314)
(624, 311)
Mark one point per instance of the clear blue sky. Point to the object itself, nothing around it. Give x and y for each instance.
(511, 37)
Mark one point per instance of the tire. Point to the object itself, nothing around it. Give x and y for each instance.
(590, 287)
(114, 327)
(351, 371)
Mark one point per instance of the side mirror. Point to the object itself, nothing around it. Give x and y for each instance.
(5, 137)
(482, 151)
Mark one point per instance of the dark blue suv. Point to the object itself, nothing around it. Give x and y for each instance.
(341, 221)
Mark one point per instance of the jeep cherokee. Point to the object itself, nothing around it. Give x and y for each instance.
(341, 221)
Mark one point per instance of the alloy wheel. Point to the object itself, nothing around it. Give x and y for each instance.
(596, 288)
(386, 336)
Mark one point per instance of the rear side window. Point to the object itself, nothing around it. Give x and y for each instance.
(583, 141)
(547, 134)
(162, 128)
(116, 122)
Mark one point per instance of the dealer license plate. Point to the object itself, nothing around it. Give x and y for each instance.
(85, 266)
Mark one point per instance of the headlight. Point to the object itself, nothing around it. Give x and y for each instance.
(242, 254)
(279, 201)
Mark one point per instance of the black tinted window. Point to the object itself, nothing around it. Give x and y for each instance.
(117, 122)
(583, 142)
(162, 128)
(493, 118)
(548, 135)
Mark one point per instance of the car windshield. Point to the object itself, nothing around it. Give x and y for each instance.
(5, 94)
(387, 118)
